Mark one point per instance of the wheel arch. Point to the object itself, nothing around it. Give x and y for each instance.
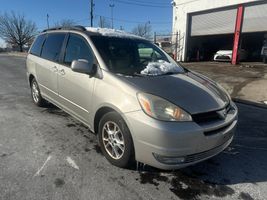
(106, 109)
(31, 77)
(100, 113)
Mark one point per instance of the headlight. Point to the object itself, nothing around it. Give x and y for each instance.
(161, 109)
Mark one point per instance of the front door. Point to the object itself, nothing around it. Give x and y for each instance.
(75, 89)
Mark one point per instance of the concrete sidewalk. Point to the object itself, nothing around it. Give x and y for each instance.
(14, 53)
(246, 81)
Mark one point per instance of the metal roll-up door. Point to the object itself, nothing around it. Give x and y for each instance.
(214, 23)
(255, 18)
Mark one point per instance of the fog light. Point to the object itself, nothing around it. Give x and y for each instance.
(169, 160)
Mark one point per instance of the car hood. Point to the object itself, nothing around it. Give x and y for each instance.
(224, 52)
(191, 91)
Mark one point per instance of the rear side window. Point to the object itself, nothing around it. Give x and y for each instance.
(77, 48)
(37, 45)
(52, 46)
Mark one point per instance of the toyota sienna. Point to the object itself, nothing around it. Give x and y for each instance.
(142, 105)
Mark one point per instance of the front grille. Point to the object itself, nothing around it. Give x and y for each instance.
(209, 116)
(205, 117)
(213, 132)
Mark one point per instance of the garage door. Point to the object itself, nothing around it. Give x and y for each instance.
(255, 18)
(219, 22)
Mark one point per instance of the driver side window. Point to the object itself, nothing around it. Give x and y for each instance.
(77, 48)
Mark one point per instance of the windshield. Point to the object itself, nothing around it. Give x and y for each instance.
(130, 56)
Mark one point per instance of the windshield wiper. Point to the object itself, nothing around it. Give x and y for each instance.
(137, 74)
(134, 74)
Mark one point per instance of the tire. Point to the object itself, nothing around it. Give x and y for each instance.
(36, 94)
(264, 59)
(115, 140)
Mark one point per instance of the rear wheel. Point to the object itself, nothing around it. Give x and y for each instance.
(115, 140)
(36, 94)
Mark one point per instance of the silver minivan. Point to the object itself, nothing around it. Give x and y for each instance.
(142, 105)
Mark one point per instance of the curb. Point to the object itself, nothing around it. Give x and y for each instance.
(23, 55)
(251, 103)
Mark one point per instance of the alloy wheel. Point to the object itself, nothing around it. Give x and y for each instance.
(35, 92)
(113, 140)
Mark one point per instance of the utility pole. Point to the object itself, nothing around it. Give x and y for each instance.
(91, 12)
(101, 22)
(47, 20)
(112, 5)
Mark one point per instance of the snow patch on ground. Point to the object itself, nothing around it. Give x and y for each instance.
(112, 32)
(72, 162)
(160, 67)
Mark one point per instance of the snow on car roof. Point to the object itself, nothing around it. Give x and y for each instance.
(112, 33)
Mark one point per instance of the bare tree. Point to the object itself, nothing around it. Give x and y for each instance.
(143, 30)
(15, 30)
(103, 23)
(66, 23)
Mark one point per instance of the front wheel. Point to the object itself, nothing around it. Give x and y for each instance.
(115, 140)
(36, 94)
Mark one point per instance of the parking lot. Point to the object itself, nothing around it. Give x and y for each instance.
(47, 154)
(246, 81)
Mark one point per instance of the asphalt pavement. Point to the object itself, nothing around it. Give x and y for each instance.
(47, 154)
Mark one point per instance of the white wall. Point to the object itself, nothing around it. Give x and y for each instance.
(182, 8)
(2, 43)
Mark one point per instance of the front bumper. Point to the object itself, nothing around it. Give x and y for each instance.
(187, 141)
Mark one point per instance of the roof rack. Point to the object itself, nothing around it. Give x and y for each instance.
(77, 28)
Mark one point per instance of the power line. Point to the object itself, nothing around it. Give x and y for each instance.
(147, 2)
(120, 20)
(136, 22)
(142, 4)
(179, 4)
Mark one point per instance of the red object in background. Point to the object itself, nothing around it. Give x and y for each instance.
(238, 26)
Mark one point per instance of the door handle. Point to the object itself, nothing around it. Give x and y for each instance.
(54, 69)
(62, 72)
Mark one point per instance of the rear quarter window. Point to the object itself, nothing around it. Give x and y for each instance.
(37, 45)
(52, 46)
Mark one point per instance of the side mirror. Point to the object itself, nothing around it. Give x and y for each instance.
(82, 66)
